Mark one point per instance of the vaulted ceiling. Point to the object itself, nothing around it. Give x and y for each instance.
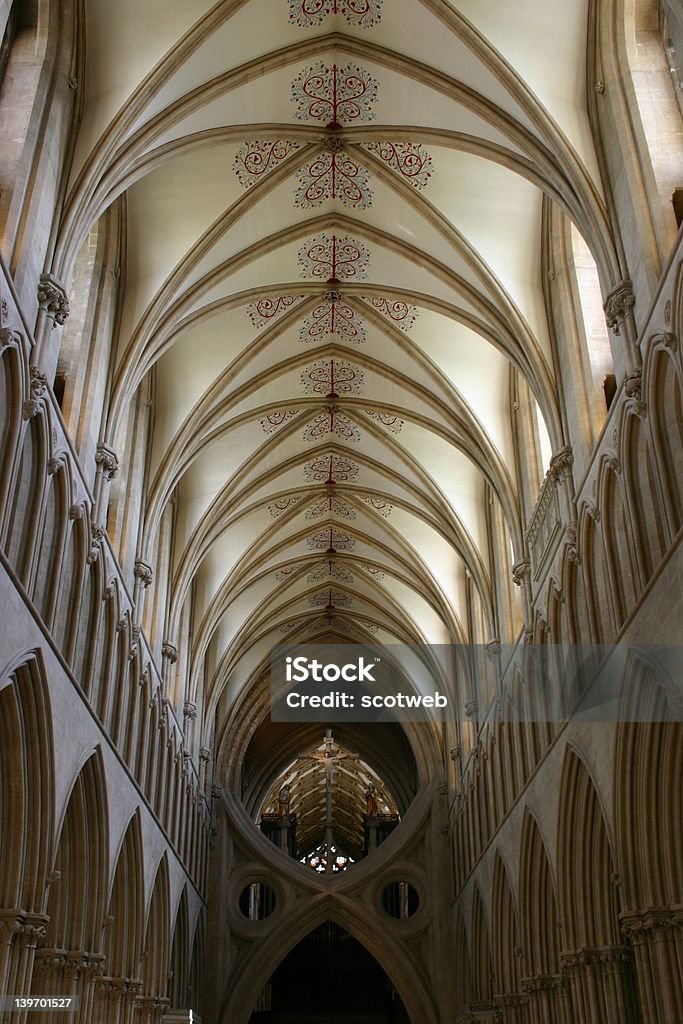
(333, 217)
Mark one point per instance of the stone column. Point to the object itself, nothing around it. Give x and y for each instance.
(20, 934)
(150, 1009)
(657, 938)
(601, 984)
(513, 1008)
(115, 1000)
(548, 999)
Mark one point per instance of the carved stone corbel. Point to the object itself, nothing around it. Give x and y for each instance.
(52, 300)
(633, 391)
(169, 651)
(37, 389)
(107, 461)
(143, 573)
(619, 305)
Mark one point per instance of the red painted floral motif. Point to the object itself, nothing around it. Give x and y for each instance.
(333, 259)
(379, 504)
(277, 419)
(330, 599)
(330, 569)
(294, 624)
(332, 422)
(333, 316)
(409, 159)
(254, 159)
(334, 95)
(331, 505)
(332, 378)
(331, 541)
(289, 570)
(399, 312)
(276, 508)
(359, 13)
(330, 470)
(264, 310)
(333, 174)
(394, 424)
(376, 574)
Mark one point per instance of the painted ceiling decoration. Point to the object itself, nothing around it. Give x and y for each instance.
(333, 174)
(274, 420)
(333, 316)
(282, 505)
(256, 158)
(330, 469)
(400, 313)
(394, 424)
(337, 96)
(378, 504)
(331, 505)
(332, 422)
(330, 599)
(331, 541)
(332, 570)
(409, 159)
(333, 259)
(332, 378)
(263, 311)
(358, 13)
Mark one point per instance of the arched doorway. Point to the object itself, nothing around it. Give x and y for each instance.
(329, 978)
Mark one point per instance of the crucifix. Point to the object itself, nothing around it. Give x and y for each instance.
(330, 756)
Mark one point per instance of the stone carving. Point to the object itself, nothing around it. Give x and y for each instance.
(52, 300)
(107, 461)
(633, 392)
(143, 573)
(619, 305)
(169, 651)
(37, 390)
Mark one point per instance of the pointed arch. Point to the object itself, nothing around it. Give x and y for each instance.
(77, 897)
(588, 893)
(26, 785)
(538, 903)
(505, 931)
(387, 951)
(123, 931)
(157, 945)
(179, 986)
(483, 979)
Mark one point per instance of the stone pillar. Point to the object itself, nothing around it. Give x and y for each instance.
(513, 1008)
(20, 934)
(150, 1009)
(657, 938)
(66, 972)
(601, 984)
(115, 1000)
(619, 316)
(548, 999)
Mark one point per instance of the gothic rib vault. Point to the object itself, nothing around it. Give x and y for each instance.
(232, 290)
